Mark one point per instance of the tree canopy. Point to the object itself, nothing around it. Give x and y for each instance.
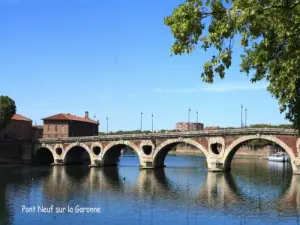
(269, 33)
(7, 110)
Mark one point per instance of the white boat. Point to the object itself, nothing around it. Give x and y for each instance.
(279, 157)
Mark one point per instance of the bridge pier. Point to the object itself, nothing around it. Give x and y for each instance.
(58, 162)
(147, 165)
(216, 166)
(150, 165)
(100, 163)
(296, 167)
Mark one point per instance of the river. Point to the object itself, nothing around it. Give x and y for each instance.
(254, 192)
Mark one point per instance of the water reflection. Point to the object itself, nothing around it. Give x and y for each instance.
(217, 190)
(253, 189)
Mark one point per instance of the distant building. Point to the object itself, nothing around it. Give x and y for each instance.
(37, 132)
(183, 126)
(212, 128)
(67, 125)
(18, 128)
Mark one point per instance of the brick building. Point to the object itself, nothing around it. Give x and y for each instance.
(37, 132)
(19, 128)
(212, 128)
(67, 125)
(184, 126)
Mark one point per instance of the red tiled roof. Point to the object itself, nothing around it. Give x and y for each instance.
(68, 116)
(20, 117)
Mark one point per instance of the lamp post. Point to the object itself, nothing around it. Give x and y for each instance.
(152, 121)
(197, 116)
(107, 125)
(189, 119)
(246, 117)
(141, 121)
(241, 115)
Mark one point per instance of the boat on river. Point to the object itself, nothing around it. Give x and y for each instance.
(279, 157)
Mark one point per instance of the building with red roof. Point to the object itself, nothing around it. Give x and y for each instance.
(185, 126)
(67, 125)
(19, 128)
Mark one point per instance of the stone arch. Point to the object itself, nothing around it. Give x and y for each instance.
(44, 154)
(74, 145)
(233, 147)
(38, 147)
(147, 143)
(112, 152)
(160, 154)
(216, 140)
(58, 146)
(97, 144)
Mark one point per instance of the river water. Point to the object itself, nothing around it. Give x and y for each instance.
(254, 192)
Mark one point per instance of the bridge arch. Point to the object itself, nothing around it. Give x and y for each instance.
(112, 152)
(44, 155)
(96, 148)
(77, 153)
(58, 149)
(147, 147)
(234, 146)
(162, 150)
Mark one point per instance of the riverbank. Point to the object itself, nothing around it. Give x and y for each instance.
(243, 152)
(12, 153)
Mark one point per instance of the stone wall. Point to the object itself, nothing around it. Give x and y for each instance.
(15, 152)
(18, 130)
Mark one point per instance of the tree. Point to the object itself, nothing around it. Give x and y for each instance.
(269, 33)
(7, 110)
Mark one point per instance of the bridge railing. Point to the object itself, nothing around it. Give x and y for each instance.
(157, 135)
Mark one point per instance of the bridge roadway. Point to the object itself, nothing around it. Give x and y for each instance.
(218, 146)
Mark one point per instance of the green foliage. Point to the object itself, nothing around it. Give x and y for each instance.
(269, 33)
(7, 110)
(130, 132)
(135, 132)
(285, 126)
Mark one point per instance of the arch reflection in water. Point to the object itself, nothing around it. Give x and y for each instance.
(261, 181)
(290, 200)
(67, 182)
(218, 190)
(153, 183)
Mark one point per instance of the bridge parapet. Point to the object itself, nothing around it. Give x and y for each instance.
(190, 134)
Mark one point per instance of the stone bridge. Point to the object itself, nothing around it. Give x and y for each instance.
(218, 147)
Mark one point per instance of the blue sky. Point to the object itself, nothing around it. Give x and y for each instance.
(112, 58)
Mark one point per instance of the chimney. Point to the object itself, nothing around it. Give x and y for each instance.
(86, 114)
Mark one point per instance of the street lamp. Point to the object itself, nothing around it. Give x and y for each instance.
(246, 117)
(152, 121)
(241, 115)
(197, 116)
(141, 121)
(107, 125)
(189, 119)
